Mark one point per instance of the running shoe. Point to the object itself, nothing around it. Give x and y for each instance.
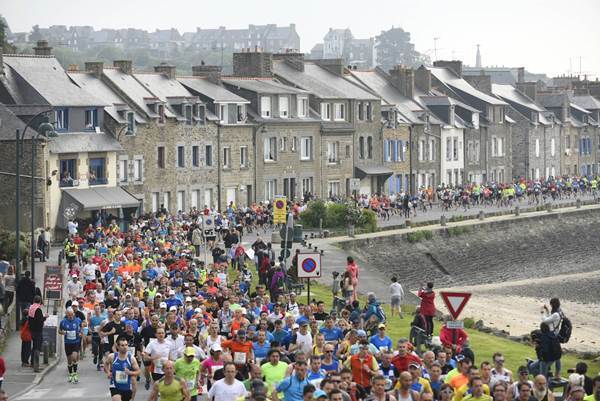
(147, 385)
(70, 378)
(75, 378)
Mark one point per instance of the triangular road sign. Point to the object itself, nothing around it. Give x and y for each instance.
(455, 301)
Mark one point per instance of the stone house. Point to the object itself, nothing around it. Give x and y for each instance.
(536, 136)
(585, 100)
(235, 135)
(287, 142)
(81, 162)
(168, 137)
(351, 126)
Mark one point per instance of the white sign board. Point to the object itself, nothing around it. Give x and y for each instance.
(455, 324)
(354, 184)
(309, 265)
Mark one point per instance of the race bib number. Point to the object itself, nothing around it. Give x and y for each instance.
(71, 335)
(239, 358)
(258, 360)
(191, 384)
(158, 364)
(383, 349)
(214, 368)
(121, 377)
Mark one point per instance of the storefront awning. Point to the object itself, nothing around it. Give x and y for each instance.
(102, 198)
(381, 171)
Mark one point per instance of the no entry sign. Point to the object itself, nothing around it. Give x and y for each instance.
(309, 265)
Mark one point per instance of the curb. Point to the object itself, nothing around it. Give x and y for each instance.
(39, 377)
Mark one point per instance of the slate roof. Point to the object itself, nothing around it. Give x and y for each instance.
(83, 142)
(513, 95)
(50, 80)
(262, 85)
(321, 82)
(9, 123)
(552, 100)
(454, 82)
(215, 92)
(588, 102)
(131, 87)
(380, 85)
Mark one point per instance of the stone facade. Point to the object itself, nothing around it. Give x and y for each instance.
(425, 156)
(396, 139)
(237, 179)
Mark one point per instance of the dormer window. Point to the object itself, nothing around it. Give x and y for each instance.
(91, 119)
(200, 114)
(223, 114)
(188, 114)
(451, 116)
(130, 123)
(325, 111)
(340, 111)
(265, 107)
(475, 120)
(302, 107)
(161, 113)
(241, 113)
(535, 117)
(284, 107)
(61, 118)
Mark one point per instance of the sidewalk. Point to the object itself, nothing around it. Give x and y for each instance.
(18, 379)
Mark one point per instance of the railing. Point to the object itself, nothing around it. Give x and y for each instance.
(98, 181)
(68, 183)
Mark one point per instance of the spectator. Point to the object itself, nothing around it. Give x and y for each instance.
(9, 286)
(36, 323)
(427, 306)
(25, 290)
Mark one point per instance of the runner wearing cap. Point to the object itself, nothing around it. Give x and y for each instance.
(188, 368)
(120, 367)
(241, 350)
(212, 364)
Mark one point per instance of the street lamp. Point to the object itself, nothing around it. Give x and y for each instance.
(47, 130)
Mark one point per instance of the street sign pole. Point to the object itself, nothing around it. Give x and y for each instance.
(307, 291)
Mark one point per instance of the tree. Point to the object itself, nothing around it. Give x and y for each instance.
(4, 30)
(394, 47)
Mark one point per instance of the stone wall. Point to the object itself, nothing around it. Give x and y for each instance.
(493, 251)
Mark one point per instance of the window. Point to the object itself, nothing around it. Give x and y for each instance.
(494, 146)
(369, 147)
(369, 111)
(160, 159)
(421, 150)
(188, 114)
(477, 151)
(448, 149)
(97, 174)
(332, 152)
(208, 155)
(123, 170)
(567, 142)
(537, 148)
(431, 149)
(348, 150)
(325, 111)
(208, 197)
(270, 149)
(306, 152)
(265, 107)
(167, 200)
(195, 198)
(200, 113)
(307, 185)
(282, 143)
(195, 156)
(241, 113)
(223, 117)
(389, 150)
(130, 123)
(455, 148)
(161, 113)
(361, 111)
(61, 116)
(243, 156)
(284, 106)
(500, 148)
(302, 107)
(181, 201)
(333, 188)
(68, 172)
(226, 157)
(91, 119)
(180, 156)
(475, 120)
(270, 189)
(294, 143)
(137, 170)
(155, 196)
(340, 111)
(361, 147)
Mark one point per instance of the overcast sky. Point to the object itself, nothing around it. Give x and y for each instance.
(543, 35)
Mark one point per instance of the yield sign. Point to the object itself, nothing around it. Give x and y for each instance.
(455, 301)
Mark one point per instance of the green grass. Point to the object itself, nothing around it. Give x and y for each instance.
(483, 345)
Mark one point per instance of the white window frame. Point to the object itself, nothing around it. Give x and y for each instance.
(552, 147)
(167, 200)
(195, 200)
(131, 124)
(306, 145)
(270, 149)
(265, 107)
(448, 150)
(500, 146)
(243, 156)
(138, 169)
(123, 169)
(223, 113)
(181, 201)
(339, 110)
(282, 144)
(307, 185)
(270, 189)
(294, 145)
(333, 152)
(240, 113)
(226, 157)
(154, 201)
(284, 106)
(455, 148)
(302, 106)
(326, 111)
(334, 188)
(537, 147)
(188, 114)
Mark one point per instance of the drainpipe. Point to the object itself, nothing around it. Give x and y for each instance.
(219, 167)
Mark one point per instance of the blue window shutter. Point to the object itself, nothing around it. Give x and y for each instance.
(391, 184)
(385, 150)
(399, 183)
(402, 150)
(66, 118)
(395, 150)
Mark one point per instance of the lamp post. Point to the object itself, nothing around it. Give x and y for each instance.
(47, 130)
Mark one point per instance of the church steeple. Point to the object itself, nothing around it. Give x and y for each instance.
(478, 58)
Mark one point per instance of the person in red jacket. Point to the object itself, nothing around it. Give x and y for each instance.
(427, 306)
(404, 357)
(454, 338)
(2, 371)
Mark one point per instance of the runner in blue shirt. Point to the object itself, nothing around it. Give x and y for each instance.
(70, 327)
(292, 386)
(381, 340)
(120, 368)
(331, 332)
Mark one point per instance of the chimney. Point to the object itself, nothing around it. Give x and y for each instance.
(211, 72)
(454, 65)
(528, 88)
(291, 58)
(253, 64)
(333, 65)
(423, 79)
(166, 69)
(42, 48)
(126, 66)
(95, 67)
(480, 82)
(403, 79)
(520, 74)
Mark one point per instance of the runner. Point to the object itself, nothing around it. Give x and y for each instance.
(71, 328)
(121, 368)
(169, 387)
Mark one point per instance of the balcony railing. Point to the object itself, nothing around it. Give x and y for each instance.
(66, 183)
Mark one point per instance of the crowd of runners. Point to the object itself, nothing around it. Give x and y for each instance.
(147, 309)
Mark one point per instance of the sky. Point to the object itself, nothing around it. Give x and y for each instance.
(550, 36)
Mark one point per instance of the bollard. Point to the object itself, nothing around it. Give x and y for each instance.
(578, 203)
(316, 249)
(36, 360)
(443, 220)
(517, 210)
(309, 245)
(45, 351)
(481, 215)
(322, 252)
